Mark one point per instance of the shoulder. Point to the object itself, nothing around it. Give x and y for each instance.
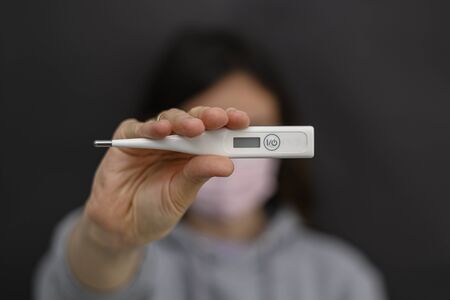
(339, 263)
(330, 249)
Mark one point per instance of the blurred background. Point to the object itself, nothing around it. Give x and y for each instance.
(373, 77)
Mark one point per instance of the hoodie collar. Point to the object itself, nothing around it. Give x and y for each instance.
(279, 232)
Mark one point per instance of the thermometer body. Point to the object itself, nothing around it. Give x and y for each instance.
(251, 142)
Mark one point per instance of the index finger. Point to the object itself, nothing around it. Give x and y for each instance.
(132, 128)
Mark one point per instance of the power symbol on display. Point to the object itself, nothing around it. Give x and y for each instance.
(272, 142)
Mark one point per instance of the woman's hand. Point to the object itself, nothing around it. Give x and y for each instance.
(139, 195)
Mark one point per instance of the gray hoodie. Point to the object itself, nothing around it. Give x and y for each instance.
(288, 261)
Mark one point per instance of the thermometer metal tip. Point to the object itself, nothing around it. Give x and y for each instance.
(103, 143)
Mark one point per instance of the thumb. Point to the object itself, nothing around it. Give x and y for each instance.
(196, 173)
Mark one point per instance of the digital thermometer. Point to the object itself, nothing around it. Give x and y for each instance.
(253, 141)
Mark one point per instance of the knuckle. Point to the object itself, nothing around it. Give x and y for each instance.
(173, 111)
(198, 111)
(127, 121)
(121, 129)
(169, 114)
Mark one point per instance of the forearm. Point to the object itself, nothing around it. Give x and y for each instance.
(97, 265)
(55, 279)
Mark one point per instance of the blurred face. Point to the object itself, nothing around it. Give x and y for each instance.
(253, 181)
(240, 90)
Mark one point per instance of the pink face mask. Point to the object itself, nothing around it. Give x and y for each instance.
(252, 183)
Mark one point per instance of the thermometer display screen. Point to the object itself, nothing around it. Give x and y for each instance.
(246, 142)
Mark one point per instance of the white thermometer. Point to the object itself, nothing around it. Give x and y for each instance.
(253, 141)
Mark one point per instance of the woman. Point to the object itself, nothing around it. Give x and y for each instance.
(165, 225)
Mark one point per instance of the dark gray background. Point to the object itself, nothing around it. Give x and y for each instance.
(372, 77)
